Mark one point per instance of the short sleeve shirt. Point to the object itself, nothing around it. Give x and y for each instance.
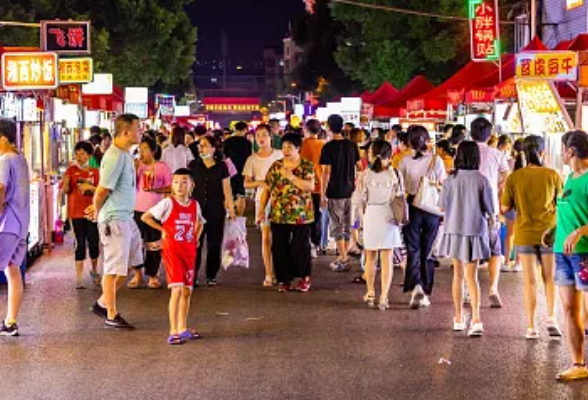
(14, 176)
(257, 167)
(493, 162)
(162, 210)
(77, 202)
(208, 190)
(156, 176)
(117, 174)
(342, 155)
(289, 204)
(413, 170)
(311, 151)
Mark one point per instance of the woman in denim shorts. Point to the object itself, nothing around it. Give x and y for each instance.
(571, 248)
(532, 191)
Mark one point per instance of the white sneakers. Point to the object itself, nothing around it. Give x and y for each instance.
(553, 330)
(418, 294)
(459, 326)
(476, 330)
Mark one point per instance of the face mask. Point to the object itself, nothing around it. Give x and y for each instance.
(206, 156)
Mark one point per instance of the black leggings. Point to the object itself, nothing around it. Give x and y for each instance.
(152, 257)
(86, 231)
(213, 233)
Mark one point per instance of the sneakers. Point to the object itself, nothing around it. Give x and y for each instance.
(425, 302)
(100, 311)
(495, 301)
(303, 285)
(284, 287)
(118, 323)
(517, 267)
(417, 296)
(384, 304)
(553, 328)
(313, 252)
(506, 267)
(8, 330)
(532, 334)
(340, 266)
(459, 326)
(476, 330)
(212, 282)
(578, 371)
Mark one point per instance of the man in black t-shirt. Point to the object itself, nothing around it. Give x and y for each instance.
(238, 149)
(339, 160)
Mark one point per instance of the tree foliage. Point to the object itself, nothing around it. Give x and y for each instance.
(379, 46)
(141, 42)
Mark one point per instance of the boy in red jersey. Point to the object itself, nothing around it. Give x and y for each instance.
(181, 225)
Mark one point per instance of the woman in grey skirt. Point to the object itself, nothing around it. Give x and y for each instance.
(467, 201)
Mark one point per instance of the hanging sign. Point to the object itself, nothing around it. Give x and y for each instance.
(571, 4)
(484, 34)
(102, 84)
(550, 65)
(66, 37)
(76, 70)
(29, 71)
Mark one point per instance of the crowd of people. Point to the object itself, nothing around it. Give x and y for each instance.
(147, 200)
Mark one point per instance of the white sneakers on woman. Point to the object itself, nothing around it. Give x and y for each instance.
(475, 330)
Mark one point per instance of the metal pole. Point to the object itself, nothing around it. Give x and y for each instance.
(533, 19)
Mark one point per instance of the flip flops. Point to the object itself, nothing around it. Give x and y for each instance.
(190, 334)
(175, 340)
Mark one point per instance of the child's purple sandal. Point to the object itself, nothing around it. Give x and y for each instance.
(190, 334)
(175, 340)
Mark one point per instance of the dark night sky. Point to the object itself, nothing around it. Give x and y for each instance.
(250, 24)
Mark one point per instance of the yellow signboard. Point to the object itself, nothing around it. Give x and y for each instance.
(550, 65)
(76, 70)
(571, 4)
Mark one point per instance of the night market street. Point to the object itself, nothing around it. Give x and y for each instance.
(258, 342)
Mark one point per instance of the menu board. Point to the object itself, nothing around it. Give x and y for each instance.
(541, 108)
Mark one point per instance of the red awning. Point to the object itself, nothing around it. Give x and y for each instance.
(106, 102)
(395, 106)
(381, 95)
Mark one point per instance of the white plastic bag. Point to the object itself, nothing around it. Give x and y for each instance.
(235, 250)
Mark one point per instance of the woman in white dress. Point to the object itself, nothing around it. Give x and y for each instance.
(177, 155)
(379, 185)
(255, 171)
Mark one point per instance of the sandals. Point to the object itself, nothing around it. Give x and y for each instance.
(190, 334)
(370, 299)
(134, 284)
(80, 286)
(95, 278)
(154, 285)
(358, 279)
(175, 340)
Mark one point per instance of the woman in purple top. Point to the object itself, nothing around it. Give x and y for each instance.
(153, 182)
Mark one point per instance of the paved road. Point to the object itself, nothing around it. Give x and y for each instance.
(261, 344)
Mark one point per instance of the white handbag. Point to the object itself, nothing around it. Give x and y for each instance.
(427, 196)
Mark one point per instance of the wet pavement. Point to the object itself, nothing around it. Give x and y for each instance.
(260, 344)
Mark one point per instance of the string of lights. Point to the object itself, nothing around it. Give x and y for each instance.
(310, 4)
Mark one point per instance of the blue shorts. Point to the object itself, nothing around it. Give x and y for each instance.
(569, 271)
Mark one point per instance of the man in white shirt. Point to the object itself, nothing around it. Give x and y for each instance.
(494, 166)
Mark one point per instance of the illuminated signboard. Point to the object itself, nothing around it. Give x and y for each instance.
(483, 15)
(232, 107)
(102, 84)
(71, 37)
(139, 109)
(571, 4)
(541, 108)
(76, 70)
(32, 71)
(477, 96)
(551, 65)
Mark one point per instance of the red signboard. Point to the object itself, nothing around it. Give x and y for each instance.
(484, 33)
(29, 71)
(477, 96)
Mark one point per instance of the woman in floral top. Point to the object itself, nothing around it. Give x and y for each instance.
(289, 185)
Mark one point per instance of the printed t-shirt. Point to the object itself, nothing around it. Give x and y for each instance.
(572, 213)
(77, 202)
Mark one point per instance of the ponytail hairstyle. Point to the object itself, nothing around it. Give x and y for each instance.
(444, 145)
(533, 146)
(578, 142)
(381, 150)
(418, 137)
(517, 152)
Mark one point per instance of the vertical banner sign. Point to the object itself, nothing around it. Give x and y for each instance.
(65, 37)
(483, 15)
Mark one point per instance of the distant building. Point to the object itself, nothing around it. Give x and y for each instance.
(292, 56)
(274, 71)
(563, 20)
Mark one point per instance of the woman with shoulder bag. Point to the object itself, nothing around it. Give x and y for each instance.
(420, 233)
(379, 186)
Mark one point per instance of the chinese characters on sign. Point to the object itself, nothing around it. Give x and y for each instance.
(483, 30)
(30, 71)
(70, 37)
(477, 96)
(552, 65)
(75, 70)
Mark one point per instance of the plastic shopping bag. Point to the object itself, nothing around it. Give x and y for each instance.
(235, 251)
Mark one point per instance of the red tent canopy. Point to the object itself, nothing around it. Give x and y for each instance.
(381, 95)
(392, 108)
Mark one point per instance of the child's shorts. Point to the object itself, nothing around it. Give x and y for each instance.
(179, 269)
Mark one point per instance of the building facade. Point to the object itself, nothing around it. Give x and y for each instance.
(563, 20)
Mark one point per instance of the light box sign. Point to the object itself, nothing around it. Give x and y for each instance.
(136, 95)
(65, 37)
(484, 33)
(102, 84)
(550, 65)
(571, 4)
(139, 109)
(29, 71)
(76, 70)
